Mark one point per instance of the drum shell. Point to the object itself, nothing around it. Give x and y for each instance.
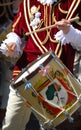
(48, 112)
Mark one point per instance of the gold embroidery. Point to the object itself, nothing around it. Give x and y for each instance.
(77, 21)
(39, 45)
(58, 49)
(60, 52)
(61, 10)
(50, 15)
(13, 26)
(35, 37)
(49, 36)
(41, 23)
(45, 15)
(54, 18)
(57, 2)
(73, 8)
(45, 40)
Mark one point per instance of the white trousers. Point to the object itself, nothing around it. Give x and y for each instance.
(17, 113)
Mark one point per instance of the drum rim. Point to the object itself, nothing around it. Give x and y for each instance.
(15, 86)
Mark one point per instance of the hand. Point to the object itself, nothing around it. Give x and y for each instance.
(63, 25)
(10, 49)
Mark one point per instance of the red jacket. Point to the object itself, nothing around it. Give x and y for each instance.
(57, 11)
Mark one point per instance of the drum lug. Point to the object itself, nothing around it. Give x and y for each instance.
(79, 98)
(41, 127)
(12, 83)
(28, 85)
(47, 126)
(70, 118)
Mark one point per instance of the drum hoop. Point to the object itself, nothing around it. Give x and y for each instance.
(15, 86)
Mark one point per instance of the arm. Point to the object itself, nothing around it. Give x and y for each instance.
(68, 34)
(11, 46)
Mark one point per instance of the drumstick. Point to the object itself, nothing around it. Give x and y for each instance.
(51, 26)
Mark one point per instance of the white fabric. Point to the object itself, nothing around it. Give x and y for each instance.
(48, 2)
(17, 114)
(73, 37)
(59, 36)
(12, 37)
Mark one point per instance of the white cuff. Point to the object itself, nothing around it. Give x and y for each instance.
(73, 37)
(12, 37)
(59, 36)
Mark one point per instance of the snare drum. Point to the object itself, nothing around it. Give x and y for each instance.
(50, 90)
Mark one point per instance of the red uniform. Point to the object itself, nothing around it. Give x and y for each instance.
(40, 42)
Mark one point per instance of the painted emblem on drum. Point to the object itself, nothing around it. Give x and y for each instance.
(56, 94)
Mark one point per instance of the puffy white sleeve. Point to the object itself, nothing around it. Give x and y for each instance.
(12, 37)
(73, 37)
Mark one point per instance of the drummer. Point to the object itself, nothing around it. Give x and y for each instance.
(63, 39)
